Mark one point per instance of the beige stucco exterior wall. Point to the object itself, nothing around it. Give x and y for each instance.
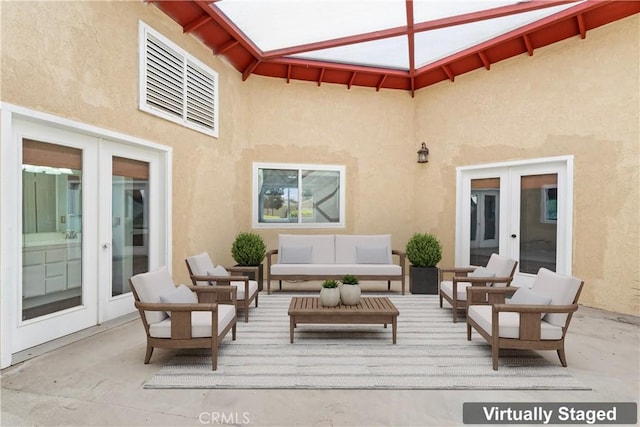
(577, 97)
(79, 60)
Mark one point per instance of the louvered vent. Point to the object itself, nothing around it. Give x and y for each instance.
(176, 86)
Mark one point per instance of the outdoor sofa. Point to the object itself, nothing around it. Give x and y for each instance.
(332, 256)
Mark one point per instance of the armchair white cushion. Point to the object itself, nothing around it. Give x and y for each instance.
(150, 287)
(201, 265)
(200, 323)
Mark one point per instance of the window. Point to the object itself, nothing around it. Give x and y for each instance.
(298, 196)
(176, 86)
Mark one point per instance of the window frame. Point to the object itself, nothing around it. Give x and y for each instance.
(299, 167)
(188, 61)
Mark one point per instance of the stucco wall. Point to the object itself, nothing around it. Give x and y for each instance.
(80, 60)
(577, 97)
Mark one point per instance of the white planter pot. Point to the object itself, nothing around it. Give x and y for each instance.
(350, 294)
(329, 297)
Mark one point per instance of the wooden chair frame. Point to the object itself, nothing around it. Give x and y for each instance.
(460, 275)
(530, 331)
(246, 302)
(208, 300)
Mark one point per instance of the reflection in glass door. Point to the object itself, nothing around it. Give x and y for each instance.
(538, 222)
(130, 222)
(51, 228)
(484, 219)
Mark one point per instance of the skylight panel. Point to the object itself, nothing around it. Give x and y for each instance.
(392, 52)
(429, 10)
(276, 24)
(437, 44)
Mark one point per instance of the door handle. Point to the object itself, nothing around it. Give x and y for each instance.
(513, 236)
(106, 245)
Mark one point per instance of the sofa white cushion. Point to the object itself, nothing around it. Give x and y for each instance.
(296, 255)
(200, 323)
(461, 289)
(323, 251)
(346, 246)
(180, 295)
(253, 288)
(372, 255)
(337, 269)
(561, 289)
(509, 323)
(525, 296)
(149, 286)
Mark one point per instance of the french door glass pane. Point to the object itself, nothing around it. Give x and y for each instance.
(484, 219)
(130, 222)
(538, 224)
(51, 228)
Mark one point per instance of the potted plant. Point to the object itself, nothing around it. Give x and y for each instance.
(329, 294)
(424, 251)
(350, 290)
(249, 249)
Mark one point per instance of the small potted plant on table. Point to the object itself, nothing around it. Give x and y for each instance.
(350, 291)
(329, 294)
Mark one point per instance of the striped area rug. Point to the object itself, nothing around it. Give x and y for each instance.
(432, 353)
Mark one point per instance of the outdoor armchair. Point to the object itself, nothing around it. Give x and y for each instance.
(536, 318)
(498, 273)
(204, 273)
(175, 317)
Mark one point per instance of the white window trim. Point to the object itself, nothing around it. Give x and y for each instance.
(143, 31)
(297, 166)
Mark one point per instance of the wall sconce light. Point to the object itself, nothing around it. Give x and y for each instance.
(423, 154)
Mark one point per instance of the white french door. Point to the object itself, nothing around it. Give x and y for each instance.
(522, 210)
(88, 212)
(134, 239)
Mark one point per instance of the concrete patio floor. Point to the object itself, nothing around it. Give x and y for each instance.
(98, 379)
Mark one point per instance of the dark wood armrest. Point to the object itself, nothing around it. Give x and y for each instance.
(488, 295)
(160, 306)
(523, 308)
(457, 269)
(220, 293)
(244, 269)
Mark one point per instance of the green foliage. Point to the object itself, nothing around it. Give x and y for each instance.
(329, 284)
(350, 280)
(424, 250)
(248, 249)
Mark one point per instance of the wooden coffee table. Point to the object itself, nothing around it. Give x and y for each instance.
(371, 310)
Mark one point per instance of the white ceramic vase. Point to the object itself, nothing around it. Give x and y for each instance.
(350, 294)
(329, 297)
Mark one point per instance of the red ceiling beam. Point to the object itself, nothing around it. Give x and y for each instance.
(196, 23)
(231, 28)
(321, 76)
(247, 71)
(581, 26)
(528, 44)
(338, 66)
(381, 82)
(485, 60)
(225, 47)
(448, 72)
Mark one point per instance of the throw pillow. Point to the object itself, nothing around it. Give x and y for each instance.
(482, 272)
(217, 271)
(296, 255)
(525, 296)
(372, 255)
(180, 295)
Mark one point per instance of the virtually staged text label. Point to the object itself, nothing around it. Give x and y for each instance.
(589, 413)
